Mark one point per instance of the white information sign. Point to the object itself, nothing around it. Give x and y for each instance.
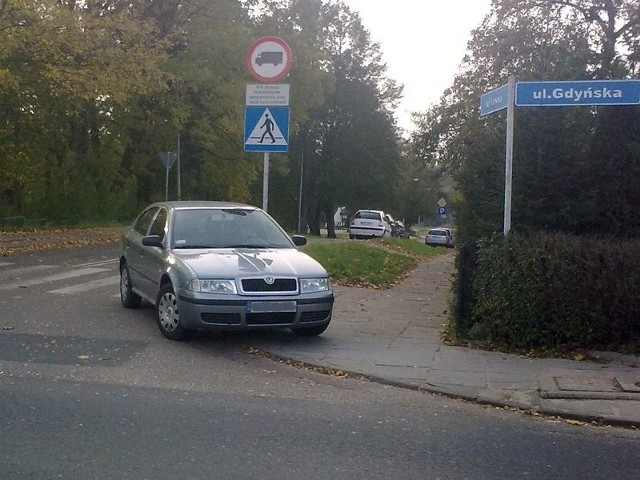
(267, 95)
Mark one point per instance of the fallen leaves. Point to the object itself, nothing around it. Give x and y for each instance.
(49, 239)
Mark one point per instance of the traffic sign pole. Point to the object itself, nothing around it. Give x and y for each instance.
(509, 155)
(265, 182)
(268, 60)
(551, 94)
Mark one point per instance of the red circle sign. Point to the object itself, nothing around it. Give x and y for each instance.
(269, 59)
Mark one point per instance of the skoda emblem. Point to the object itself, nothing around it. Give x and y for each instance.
(269, 280)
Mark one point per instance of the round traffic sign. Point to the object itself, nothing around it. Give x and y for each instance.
(269, 59)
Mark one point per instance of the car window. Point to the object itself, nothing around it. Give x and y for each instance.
(368, 215)
(226, 228)
(159, 226)
(438, 233)
(144, 220)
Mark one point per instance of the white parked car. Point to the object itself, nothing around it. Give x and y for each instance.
(369, 224)
(439, 237)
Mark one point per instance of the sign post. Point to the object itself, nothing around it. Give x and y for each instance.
(551, 94)
(508, 168)
(266, 127)
(494, 101)
(167, 159)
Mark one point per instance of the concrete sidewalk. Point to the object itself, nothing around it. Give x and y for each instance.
(393, 336)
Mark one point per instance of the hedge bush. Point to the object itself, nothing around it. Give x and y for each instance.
(551, 290)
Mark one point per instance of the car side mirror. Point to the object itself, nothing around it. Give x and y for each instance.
(299, 240)
(152, 241)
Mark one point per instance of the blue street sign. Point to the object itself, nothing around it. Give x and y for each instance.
(442, 211)
(579, 93)
(494, 100)
(266, 129)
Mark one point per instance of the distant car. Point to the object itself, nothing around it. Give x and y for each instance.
(221, 266)
(368, 224)
(439, 237)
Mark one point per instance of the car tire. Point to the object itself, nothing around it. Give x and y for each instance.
(167, 315)
(128, 298)
(311, 331)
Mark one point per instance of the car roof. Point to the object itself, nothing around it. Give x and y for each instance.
(369, 210)
(186, 204)
(446, 230)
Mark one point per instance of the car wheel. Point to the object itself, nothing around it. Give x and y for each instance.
(311, 331)
(167, 314)
(127, 297)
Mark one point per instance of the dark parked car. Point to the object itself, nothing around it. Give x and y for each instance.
(221, 266)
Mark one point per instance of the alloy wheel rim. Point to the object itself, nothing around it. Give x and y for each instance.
(124, 283)
(168, 312)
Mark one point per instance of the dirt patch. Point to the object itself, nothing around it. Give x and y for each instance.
(48, 239)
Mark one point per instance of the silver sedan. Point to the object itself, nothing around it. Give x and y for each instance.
(221, 266)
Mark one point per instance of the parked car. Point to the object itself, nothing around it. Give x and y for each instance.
(439, 237)
(398, 229)
(368, 224)
(221, 266)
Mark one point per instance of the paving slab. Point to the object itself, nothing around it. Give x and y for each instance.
(394, 336)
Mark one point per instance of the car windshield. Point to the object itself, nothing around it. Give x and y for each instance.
(227, 228)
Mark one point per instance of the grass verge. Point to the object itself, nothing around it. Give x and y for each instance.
(373, 264)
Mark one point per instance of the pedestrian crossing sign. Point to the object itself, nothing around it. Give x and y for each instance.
(266, 129)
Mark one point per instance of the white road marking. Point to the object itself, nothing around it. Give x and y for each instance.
(83, 287)
(52, 278)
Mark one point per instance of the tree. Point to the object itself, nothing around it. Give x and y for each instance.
(70, 69)
(351, 145)
(558, 167)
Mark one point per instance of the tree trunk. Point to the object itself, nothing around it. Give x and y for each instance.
(331, 225)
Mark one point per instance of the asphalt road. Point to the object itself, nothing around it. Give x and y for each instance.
(90, 390)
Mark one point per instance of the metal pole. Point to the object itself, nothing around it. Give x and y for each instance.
(179, 189)
(265, 183)
(166, 183)
(509, 155)
(300, 193)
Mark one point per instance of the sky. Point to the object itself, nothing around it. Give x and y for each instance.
(422, 42)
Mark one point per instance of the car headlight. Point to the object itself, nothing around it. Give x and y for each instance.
(313, 285)
(213, 286)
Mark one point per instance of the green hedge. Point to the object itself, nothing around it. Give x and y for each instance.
(550, 290)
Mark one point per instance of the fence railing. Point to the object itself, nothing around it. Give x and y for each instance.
(21, 221)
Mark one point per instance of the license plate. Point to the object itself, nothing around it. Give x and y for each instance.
(272, 307)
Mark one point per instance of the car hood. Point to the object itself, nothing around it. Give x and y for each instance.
(245, 262)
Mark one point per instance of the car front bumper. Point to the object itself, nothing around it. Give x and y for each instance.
(255, 312)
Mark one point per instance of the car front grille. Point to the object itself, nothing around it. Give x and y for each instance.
(277, 285)
(270, 318)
